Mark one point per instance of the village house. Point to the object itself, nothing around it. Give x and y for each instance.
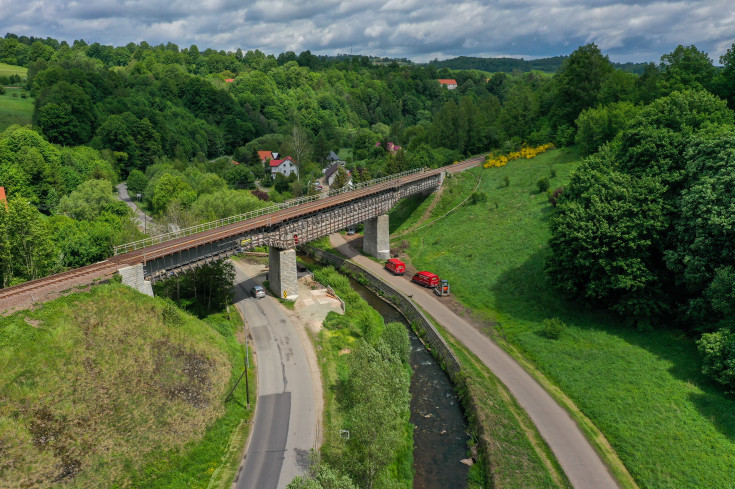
(450, 83)
(267, 155)
(393, 148)
(331, 174)
(333, 158)
(285, 167)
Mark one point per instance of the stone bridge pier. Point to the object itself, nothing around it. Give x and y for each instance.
(376, 241)
(282, 273)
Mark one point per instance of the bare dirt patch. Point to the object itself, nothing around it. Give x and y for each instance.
(183, 375)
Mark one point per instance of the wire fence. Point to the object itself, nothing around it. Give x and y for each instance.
(199, 228)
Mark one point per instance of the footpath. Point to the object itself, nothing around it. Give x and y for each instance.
(575, 454)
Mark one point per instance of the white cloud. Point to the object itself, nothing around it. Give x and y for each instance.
(627, 30)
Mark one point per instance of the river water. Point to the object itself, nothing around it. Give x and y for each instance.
(440, 438)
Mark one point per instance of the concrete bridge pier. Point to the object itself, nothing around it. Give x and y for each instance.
(376, 241)
(134, 277)
(282, 273)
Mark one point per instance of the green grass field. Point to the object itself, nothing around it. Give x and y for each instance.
(14, 109)
(92, 397)
(669, 425)
(7, 70)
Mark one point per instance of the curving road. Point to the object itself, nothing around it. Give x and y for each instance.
(287, 413)
(577, 457)
(142, 220)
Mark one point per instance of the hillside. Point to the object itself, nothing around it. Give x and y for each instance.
(669, 424)
(507, 65)
(111, 388)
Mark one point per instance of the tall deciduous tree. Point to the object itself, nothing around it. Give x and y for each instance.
(578, 83)
(686, 68)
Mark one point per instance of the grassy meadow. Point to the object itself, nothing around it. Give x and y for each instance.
(7, 70)
(669, 425)
(15, 109)
(111, 388)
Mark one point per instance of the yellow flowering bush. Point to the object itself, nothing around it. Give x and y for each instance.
(525, 152)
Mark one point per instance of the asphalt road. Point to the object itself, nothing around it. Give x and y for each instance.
(144, 221)
(576, 455)
(286, 415)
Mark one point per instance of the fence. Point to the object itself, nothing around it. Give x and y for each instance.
(425, 328)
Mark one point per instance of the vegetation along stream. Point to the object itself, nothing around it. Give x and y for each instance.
(440, 437)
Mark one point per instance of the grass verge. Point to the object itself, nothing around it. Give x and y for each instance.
(665, 421)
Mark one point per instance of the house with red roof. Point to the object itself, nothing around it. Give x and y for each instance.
(450, 83)
(229, 80)
(267, 155)
(285, 167)
(2, 197)
(393, 148)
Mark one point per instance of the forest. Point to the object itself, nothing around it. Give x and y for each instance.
(645, 227)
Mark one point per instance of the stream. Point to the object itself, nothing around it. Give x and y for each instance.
(440, 437)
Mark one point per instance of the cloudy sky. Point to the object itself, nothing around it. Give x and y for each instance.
(420, 30)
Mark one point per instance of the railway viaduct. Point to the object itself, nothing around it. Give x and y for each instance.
(281, 228)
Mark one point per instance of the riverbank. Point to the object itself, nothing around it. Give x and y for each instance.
(515, 455)
(441, 433)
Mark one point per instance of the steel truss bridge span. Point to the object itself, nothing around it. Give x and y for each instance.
(285, 228)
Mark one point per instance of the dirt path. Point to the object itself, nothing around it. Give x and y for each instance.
(575, 454)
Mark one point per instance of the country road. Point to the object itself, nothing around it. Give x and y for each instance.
(578, 458)
(142, 220)
(288, 410)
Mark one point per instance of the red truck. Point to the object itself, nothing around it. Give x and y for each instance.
(427, 279)
(395, 266)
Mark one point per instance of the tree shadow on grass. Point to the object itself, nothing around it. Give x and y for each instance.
(403, 210)
(527, 294)
(719, 408)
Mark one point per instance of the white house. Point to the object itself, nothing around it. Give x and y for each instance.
(286, 167)
(450, 83)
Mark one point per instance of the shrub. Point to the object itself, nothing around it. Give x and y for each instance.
(507, 181)
(543, 184)
(261, 195)
(552, 328)
(554, 195)
(718, 351)
(553, 173)
(478, 197)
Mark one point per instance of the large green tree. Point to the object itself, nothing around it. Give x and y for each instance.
(686, 68)
(578, 83)
(603, 240)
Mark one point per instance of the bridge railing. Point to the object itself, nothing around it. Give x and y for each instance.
(162, 238)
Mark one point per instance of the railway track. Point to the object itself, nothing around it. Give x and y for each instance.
(43, 289)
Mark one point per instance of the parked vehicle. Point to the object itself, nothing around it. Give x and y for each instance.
(427, 279)
(395, 266)
(350, 231)
(257, 291)
(443, 288)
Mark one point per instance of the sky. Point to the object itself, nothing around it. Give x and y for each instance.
(420, 30)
